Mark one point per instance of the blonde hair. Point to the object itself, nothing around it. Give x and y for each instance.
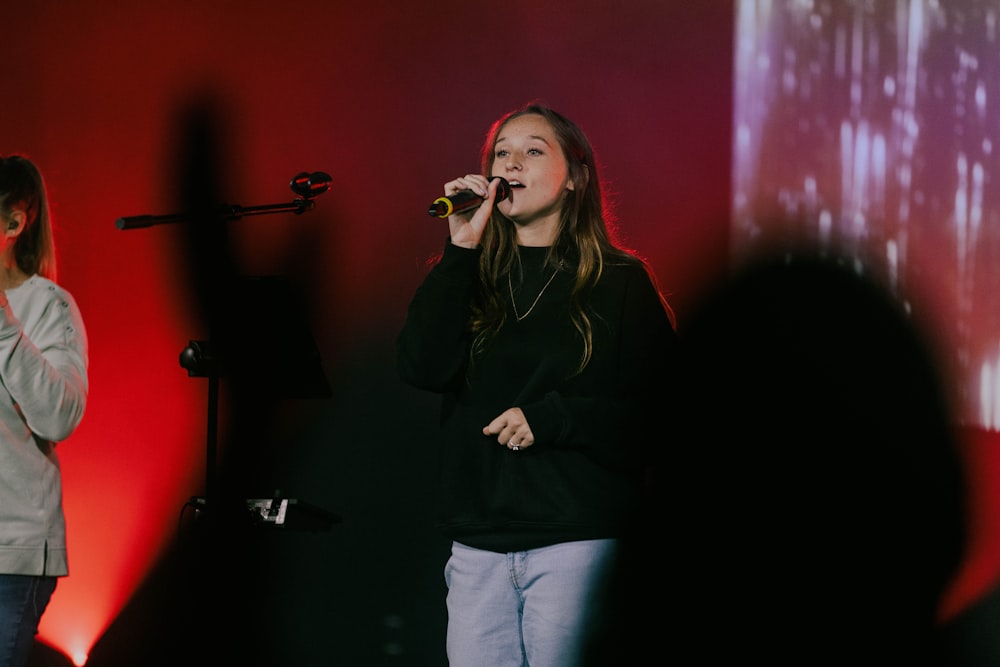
(584, 239)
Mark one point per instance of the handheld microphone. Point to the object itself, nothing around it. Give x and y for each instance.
(442, 207)
(312, 184)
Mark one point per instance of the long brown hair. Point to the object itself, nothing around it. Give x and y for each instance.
(584, 240)
(22, 186)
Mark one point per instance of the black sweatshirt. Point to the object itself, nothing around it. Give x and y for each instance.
(581, 479)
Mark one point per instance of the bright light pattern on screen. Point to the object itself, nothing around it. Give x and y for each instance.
(867, 128)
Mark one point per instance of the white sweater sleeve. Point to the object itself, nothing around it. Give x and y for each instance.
(43, 358)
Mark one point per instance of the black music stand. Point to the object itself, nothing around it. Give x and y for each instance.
(275, 355)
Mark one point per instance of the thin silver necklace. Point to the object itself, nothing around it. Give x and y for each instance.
(534, 303)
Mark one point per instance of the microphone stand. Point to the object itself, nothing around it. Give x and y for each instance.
(299, 206)
(200, 359)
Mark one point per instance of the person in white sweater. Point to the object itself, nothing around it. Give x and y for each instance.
(43, 394)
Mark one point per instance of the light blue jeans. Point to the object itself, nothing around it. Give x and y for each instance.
(527, 608)
(23, 600)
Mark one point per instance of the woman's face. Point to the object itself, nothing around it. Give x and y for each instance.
(529, 156)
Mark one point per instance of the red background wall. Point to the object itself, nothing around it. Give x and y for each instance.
(391, 99)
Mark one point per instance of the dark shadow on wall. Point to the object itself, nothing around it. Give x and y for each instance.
(356, 580)
(369, 591)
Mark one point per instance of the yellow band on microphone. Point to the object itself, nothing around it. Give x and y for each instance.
(443, 207)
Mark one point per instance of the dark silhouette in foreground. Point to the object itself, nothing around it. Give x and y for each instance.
(808, 499)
